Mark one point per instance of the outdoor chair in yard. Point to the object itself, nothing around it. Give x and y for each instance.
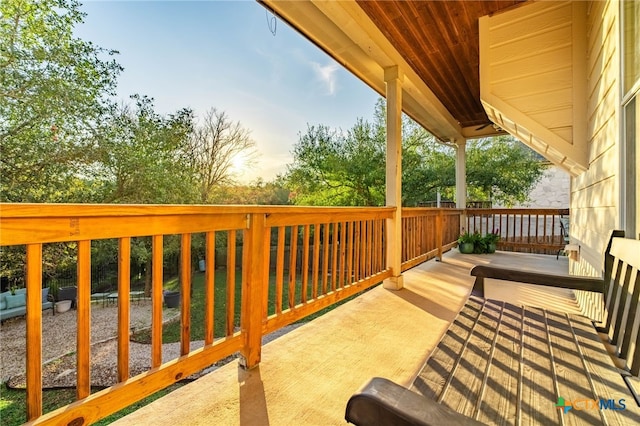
(505, 363)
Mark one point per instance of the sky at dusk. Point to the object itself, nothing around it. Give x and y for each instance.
(223, 54)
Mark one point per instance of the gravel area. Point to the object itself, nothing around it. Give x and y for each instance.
(59, 344)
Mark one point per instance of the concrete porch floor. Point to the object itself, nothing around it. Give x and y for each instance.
(306, 376)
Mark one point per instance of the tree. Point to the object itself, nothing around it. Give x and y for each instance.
(53, 91)
(502, 169)
(214, 145)
(143, 157)
(337, 168)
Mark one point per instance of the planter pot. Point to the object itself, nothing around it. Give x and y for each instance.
(465, 248)
(491, 248)
(63, 306)
(172, 299)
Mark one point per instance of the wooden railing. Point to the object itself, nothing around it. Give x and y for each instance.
(427, 233)
(524, 230)
(282, 264)
(291, 262)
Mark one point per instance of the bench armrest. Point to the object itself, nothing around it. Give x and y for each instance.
(562, 281)
(382, 402)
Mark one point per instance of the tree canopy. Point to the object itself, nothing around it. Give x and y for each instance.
(332, 167)
(53, 90)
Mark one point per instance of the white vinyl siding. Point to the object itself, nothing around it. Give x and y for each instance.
(595, 193)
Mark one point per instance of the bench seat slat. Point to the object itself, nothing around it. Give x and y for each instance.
(500, 402)
(464, 391)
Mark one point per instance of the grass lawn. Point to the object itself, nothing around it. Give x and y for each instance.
(171, 331)
(13, 403)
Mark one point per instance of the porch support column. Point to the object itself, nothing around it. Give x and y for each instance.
(393, 80)
(461, 174)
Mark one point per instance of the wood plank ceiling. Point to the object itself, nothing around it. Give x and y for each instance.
(439, 40)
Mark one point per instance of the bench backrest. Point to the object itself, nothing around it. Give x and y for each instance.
(621, 320)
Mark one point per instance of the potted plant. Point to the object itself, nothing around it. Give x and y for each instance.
(466, 242)
(491, 241)
(171, 298)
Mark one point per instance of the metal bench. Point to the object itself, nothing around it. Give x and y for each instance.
(500, 363)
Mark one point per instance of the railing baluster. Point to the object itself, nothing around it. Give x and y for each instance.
(350, 252)
(231, 281)
(280, 269)
(316, 260)
(305, 263)
(356, 251)
(293, 265)
(209, 287)
(334, 256)
(156, 300)
(266, 267)
(124, 285)
(325, 257)
(185, 288)
(34, 331)
(343, 254)
(83, 301)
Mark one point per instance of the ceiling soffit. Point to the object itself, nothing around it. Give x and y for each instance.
(440, 42)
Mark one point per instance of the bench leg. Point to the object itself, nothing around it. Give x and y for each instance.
(478, 287)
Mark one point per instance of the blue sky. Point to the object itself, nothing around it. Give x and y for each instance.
(222, 54)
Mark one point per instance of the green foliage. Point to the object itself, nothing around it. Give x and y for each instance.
(491, 238)
(502, 170)
(142, 156)
(480, 243)
(336, 168)
(348, 168)
(468, 237)
(53, 91)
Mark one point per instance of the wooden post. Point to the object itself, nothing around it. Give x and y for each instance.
(393, 79)
(253, 287)
(461, 175)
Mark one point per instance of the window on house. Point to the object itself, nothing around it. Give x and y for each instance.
(631, 116)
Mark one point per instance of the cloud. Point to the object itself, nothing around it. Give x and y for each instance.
(327, 74)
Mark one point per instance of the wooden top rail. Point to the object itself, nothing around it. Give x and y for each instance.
(525, 211)
(48, 223)
(429, 211)
(16, 210)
